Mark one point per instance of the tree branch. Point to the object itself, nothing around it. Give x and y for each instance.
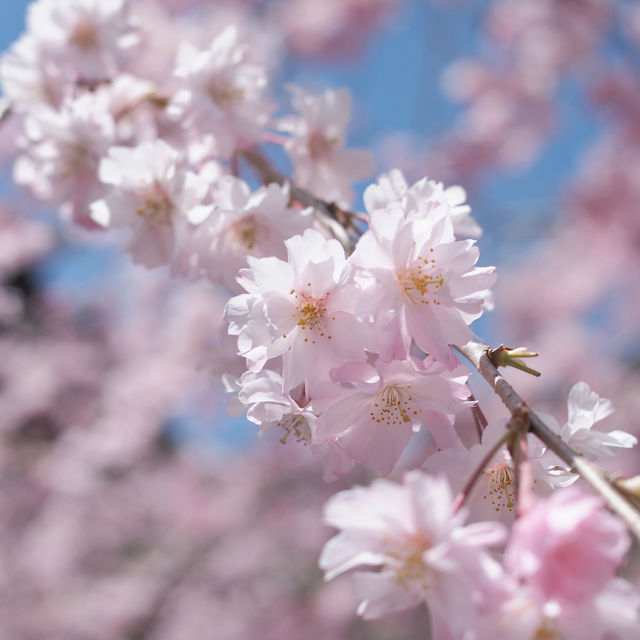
(339, 221)
(479, 356)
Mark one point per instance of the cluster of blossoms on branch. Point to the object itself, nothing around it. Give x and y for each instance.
(340, 324)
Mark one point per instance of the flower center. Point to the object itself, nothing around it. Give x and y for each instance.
(393, 406)
(84, 35)
(247, 231)
(319, 145)
(421, 282)
(311, 313)
(223, 93)
(501, 487)
(547, 631)
(407, 562)
(156, 206)
(298, 425)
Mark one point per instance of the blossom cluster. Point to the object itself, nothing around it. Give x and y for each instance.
(557, 579)
(348, 352)
(339, 324)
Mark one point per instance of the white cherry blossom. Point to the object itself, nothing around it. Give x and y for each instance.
(422, 550)
(88, 39)
(246, 223)
(151, 196)
(321, 163)
(392, 189)
(422, 284)
(221, 93)
(62, 152)
(586, 408)
(301, 310)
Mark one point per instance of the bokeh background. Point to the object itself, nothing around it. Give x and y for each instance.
(131, 506)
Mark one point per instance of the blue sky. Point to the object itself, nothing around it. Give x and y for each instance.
(12, 22)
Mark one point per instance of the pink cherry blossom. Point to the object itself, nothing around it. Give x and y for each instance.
(301, 310)
(86, 38)
(425, 286)
(62, 151)
(568, 546)
(585, 409)
(316, 147)
(246, 223)
(221, 92)
(385, 404)
(151, 197)
(422, 549)
(332, 28)
(562, 557)
(614, 612)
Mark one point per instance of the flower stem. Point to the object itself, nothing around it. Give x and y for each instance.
(339, 221)
(466, 490)
(616, 500)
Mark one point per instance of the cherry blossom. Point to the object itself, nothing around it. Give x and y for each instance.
(301, 310)
(585, 409)
(222, 92)
(567, 546)
(423, 551)
(154, 119)
(89, 38)
(28, 77)
(149, 196)
(62, 151)
(493, 496)
(425, 286)
(331, 28)
(245, 224)
(316, 147)
(564, 554)
(392, 188)
(387, 403)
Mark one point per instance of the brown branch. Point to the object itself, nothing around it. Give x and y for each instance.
(479, 356)
(478, 417)
(340, 222)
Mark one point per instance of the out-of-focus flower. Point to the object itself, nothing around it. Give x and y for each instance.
(85, 38)
(321, 163)
(563, 556)
(422, 549)
(221, 92)
(62, 151)
(585, 409)
(246, 223)
(151, 197)
(332, 28)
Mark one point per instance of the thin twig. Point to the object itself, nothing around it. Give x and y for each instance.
(473, 478)
(479, 356)
(339, 221)
(522, 468)
(478, 417)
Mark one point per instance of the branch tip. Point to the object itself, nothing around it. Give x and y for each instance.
(507, 357)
